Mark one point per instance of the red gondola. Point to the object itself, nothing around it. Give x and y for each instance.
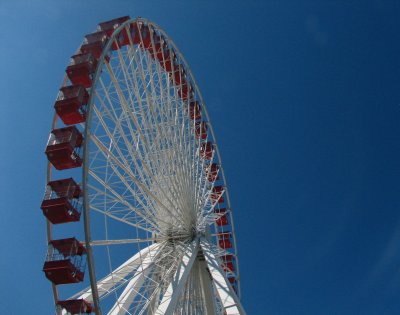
(122, 38)
(134, 32)
(216, 194)
(80, 306)
(206, 150)
(194, 110)
(213, 172)
(63, 148)
(144, 36)
(82, 68)
(156, 48)
(224, 240)
(61, 201)
(221, 221)
(110, 26)
(228, 266)
(220, 211)
(179, 75)
(71, 104)
(166, 59)
(162, 50)
(185, 91)
(201, 129)
(95, 43)
(227, 257)
(64, 263)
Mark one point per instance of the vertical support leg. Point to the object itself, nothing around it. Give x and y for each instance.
(206, 284)
(228, 297)
(171, 295)
(127, 296)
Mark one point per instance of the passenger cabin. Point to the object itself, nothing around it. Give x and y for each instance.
(228, 267)
(65, 261)
(167, 58)
(224, 240)
(155, 46)
(194, 110)
(110, 26)
(212, 174)
(95, 43)
(206, 150)
(222, 221)
(63, 148)
(227, 258)
(122, 39)
(144, 36)
(216, 194)
(61, 201)
(220, 211)
(201, 128)
(81, 69)
(185, 91)
(161, 48)
(232, 280)
(179, 75)
(134, 32)
(73, 307)
(71, 104)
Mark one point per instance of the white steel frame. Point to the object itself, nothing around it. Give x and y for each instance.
(143, 171)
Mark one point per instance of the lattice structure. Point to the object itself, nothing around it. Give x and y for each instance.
(158, 228)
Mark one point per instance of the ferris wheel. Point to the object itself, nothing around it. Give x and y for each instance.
(136, 195)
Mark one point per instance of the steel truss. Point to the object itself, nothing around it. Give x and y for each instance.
(151, 209)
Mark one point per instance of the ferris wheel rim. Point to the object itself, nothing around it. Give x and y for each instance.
(85, 167)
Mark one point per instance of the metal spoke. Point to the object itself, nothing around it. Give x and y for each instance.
(125, 241)
(149, 209)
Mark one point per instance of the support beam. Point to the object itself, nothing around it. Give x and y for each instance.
(174, 290)
(206, 284)
(122, 242)
(227, 295)
(118, 276)
(126, 298)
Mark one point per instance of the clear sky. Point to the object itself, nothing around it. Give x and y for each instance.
(304, 97)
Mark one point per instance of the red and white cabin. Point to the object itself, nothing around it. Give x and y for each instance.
(110, 26)
(213, 172)
(79, 306)
(194, 110)
(224, 240)
(61, 201)
(71, 104)
(63, 148)
(201, 128)
(206, 150)
(65, 261)
(95, 43)
(216, 194)
(82, 68)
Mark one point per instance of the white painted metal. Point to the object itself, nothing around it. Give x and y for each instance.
(207, 287)
(125, 241)
(144, 176)
(119, 276)
(125, 299)
(229, 299)
(171, 295)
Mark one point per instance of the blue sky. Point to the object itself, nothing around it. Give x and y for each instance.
(304, 98)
